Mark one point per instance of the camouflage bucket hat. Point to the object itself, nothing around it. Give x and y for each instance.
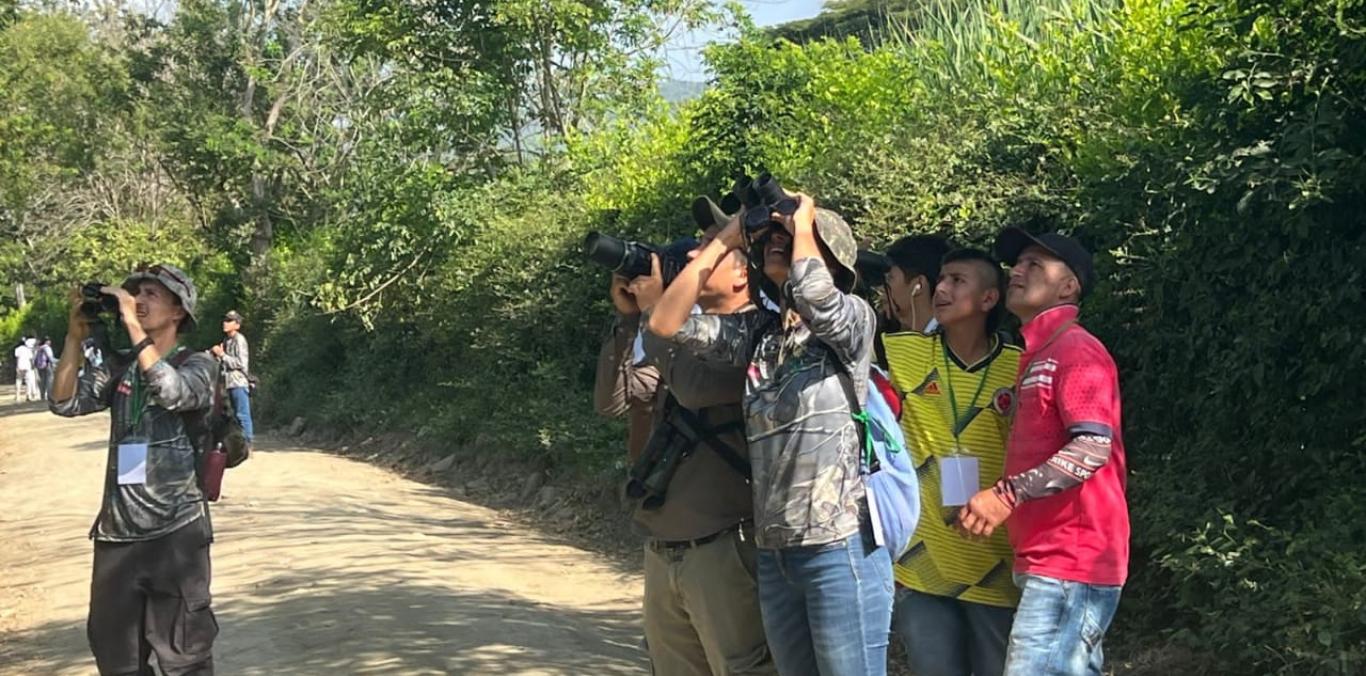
(838, 237)
(175, 280)
(706, 213)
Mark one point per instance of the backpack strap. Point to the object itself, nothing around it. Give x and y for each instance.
(197, 426)
(866, 455)
(696, 430)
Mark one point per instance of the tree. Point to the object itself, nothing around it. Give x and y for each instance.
(60, 95)
(529, 72)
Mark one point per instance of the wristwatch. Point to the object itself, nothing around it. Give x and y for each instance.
(142, 345)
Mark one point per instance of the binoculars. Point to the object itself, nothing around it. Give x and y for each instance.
(761, 197)
(94, 301)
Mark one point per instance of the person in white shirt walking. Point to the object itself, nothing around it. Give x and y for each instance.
(25, 379)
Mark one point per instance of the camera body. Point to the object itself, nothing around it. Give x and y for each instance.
(632, 259)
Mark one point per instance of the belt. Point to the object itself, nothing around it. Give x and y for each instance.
(675, 545)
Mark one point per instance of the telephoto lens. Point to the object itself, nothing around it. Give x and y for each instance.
(632, 259)
(627, 259)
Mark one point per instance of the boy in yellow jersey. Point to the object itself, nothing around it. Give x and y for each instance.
(955, 611)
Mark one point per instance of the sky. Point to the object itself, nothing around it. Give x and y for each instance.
(683, 55)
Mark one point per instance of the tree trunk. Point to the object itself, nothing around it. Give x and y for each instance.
(19, 296)
(265, 230)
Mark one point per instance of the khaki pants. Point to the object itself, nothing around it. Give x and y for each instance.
(702, 610)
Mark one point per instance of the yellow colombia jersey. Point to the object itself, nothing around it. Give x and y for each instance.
(940, 561)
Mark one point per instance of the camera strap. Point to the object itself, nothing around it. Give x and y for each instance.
(692, 427)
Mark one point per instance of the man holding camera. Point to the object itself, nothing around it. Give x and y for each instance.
(825, 586)
(625, 384)
(701, 598)
(150, 586)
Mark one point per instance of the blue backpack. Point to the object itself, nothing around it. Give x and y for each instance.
(888, 473)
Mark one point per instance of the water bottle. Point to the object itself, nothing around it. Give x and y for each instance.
(211, 472)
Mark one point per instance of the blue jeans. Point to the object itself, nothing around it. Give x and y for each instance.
(945, 636)
(241, 404)
(827, 609)
(1059, 626)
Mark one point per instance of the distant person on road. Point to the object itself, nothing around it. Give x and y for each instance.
(91, 351)
(150, 585)
(232, 354)
(44, 361)
(25, 379)
(701, 594)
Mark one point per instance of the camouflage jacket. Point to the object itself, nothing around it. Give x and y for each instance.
(803, 444)
(170, 498)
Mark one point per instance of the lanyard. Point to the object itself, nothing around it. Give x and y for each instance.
(953, 399)
(137, 398)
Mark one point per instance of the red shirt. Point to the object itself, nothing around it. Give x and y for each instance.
(1068, 384)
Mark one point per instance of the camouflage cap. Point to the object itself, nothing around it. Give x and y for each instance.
(174, 279)
(838, 237)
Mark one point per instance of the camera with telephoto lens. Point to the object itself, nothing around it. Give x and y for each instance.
(632, 259)
(761, 197)
(94, 301)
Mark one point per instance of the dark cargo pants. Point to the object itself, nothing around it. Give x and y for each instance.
(153, 597)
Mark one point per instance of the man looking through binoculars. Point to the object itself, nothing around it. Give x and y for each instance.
(150, 588)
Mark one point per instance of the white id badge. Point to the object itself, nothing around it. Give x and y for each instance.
(958, 480)
(132, 462)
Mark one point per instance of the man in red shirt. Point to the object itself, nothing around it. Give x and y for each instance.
(1063, 490)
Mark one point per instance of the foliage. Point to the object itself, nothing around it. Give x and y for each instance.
(59, 93)
(395, 194)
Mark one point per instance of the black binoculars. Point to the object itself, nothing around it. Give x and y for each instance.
(761, 197)
(95, 301)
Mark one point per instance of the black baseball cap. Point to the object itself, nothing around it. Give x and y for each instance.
(1012, 241)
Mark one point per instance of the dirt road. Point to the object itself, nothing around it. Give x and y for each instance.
(322, 565)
